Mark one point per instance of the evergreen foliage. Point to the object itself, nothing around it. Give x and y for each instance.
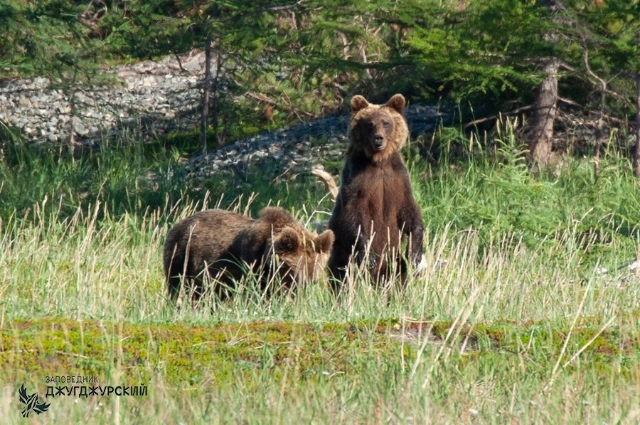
(526, 311)
(46, 38)
(301, 58)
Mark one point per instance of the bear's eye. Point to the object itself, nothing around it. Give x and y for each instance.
(386, 124)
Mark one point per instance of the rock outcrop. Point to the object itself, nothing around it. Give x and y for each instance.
(148, 96)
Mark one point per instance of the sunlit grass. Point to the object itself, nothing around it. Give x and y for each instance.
(513, 319)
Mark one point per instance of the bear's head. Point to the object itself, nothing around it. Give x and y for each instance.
(300, 255)
(377, 130)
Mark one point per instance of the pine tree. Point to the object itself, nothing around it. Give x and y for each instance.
(613, 30)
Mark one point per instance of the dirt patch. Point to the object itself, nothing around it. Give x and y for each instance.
(418, 333)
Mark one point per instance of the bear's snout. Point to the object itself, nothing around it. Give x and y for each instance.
(378, 142)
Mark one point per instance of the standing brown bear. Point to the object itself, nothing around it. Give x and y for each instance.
(375, 205)
(218, 242)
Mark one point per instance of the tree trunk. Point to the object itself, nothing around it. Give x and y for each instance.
(72, 128)
(636, 153)
(220, 136)
(71, 89)
(205, 96)
(600, 124)
(538, 132)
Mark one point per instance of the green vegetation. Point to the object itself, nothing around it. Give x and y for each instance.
(513, 320)
(398, 371)
(488, 54)
(521, 325)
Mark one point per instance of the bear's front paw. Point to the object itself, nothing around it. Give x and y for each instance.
(370, 260)
(421, 267)
(371, 264)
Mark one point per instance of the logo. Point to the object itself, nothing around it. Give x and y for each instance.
(31, 404)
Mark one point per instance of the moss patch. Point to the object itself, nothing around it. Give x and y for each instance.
(182, 354)
(203, 357)
(616, 347)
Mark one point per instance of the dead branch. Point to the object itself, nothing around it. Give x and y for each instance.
(610, 118)
(495, 117)
(281, 8)
(262, 98)
(180, 62)
(345, 45)
(569, 102)
(329, 181)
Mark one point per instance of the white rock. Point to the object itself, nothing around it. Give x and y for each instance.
(80, 129)
(24, 102)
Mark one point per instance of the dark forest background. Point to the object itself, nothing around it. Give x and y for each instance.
(278, 62)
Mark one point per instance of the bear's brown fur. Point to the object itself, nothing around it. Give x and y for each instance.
(218, 242)
(375, 204)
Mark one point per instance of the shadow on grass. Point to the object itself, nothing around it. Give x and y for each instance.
(133, 179)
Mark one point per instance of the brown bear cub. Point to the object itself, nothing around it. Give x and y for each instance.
(375, 209)
(218, 242)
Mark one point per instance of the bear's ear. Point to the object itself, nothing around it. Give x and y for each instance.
(288, 241)
(324, 241)
(397, 103)
(357, 103)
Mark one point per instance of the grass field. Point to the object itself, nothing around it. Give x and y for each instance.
(513, 321)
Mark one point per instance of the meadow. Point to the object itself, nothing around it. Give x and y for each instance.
(527, 311)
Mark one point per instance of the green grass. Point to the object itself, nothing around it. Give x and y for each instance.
(512, 320)
(398, 371)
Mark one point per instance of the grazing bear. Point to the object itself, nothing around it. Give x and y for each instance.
(219, 241)
(375, 205)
